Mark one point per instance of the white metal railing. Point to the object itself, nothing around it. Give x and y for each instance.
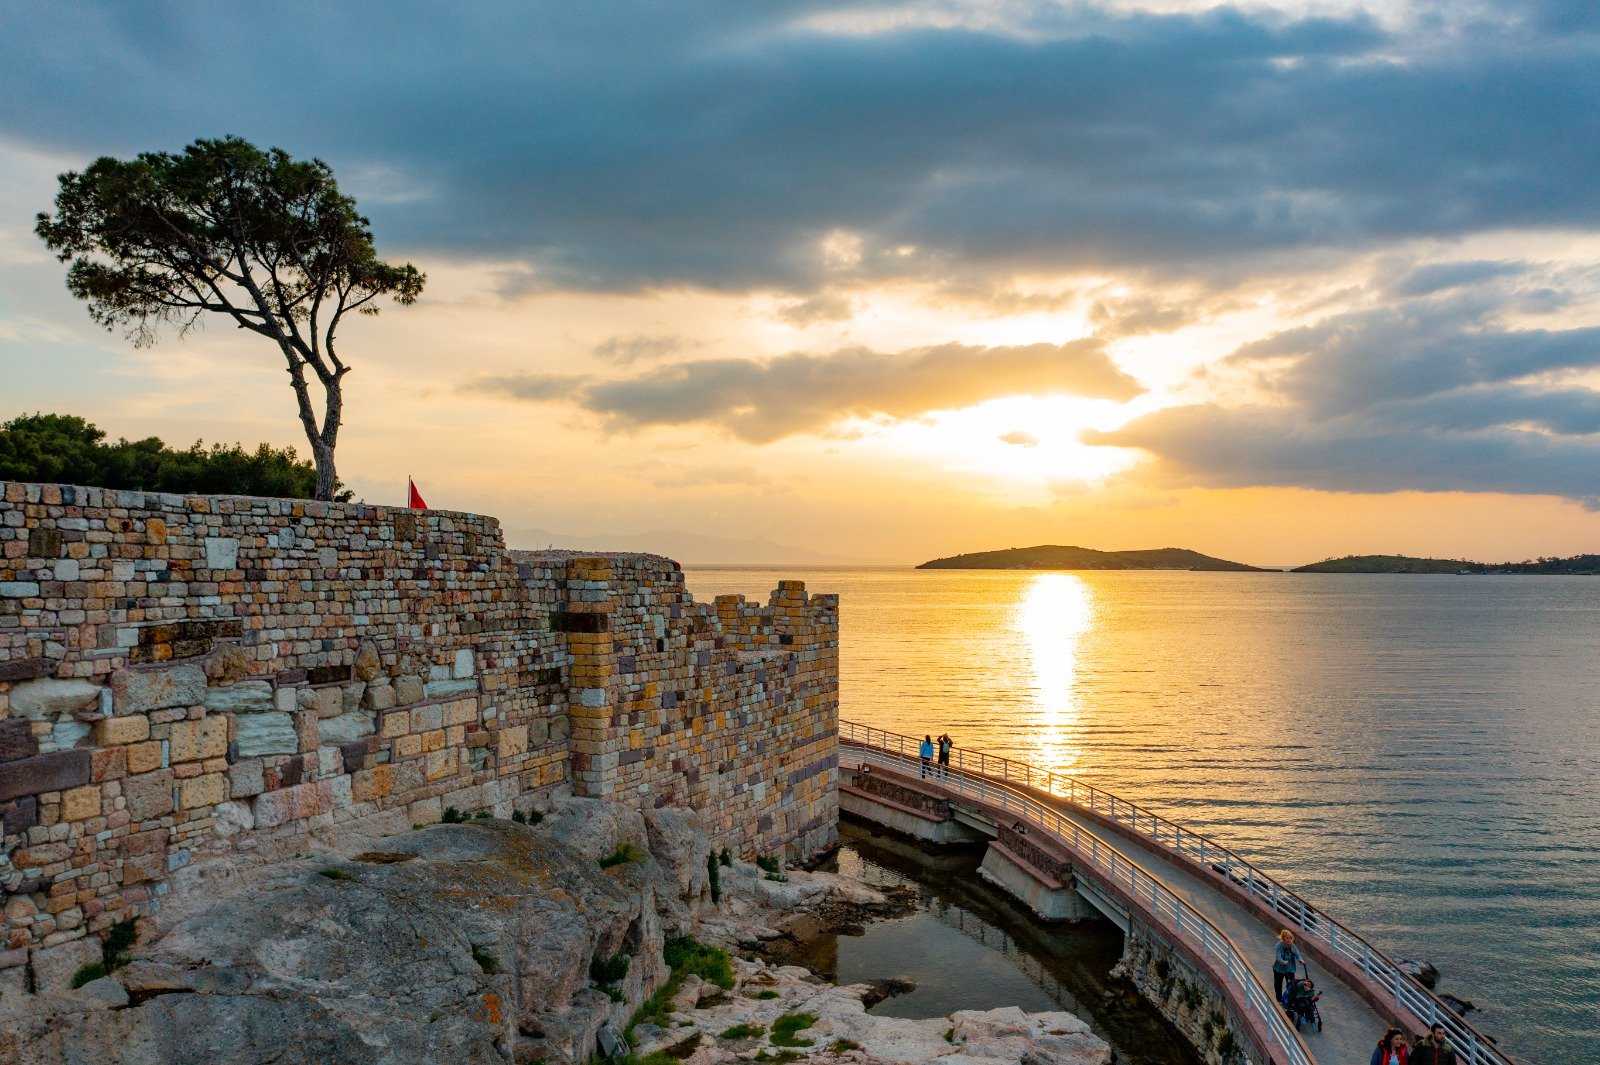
(1405, 991)
(1181, 919)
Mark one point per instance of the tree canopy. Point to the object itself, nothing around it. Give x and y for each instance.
(67, 449)
(225, 228)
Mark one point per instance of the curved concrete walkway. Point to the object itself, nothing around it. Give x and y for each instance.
(1350, 1026)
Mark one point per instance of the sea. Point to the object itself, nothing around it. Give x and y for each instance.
(1417, 755)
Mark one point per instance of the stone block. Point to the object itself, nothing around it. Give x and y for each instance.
(279, 807)
(368, 663)
(17, 740)
(330, 701)
(65, 735)
(247, 778)
(513, 741)
(193, 741)
(44, 698)
(264, 734)
(396, 724)
(118, 730)
(80, 804)
(308, 728)
(143, 757)
(347, 727)
(199, 792)
(233, 818)
(460, 712)
(222, 552)
(54, 967)
(450, 689)
(424, 718)
(244, 697)
(56, 771)
(351, 696)
(463, 666)
(19, 589)
(137, 691)
(370, 785)
(229, 664)
(27, 668)
(380, 696)
(149, 795)
(19, 815)
(407, 746)
(408, 689)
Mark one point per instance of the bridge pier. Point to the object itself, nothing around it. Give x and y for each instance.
(1046, 897)
(905, 809)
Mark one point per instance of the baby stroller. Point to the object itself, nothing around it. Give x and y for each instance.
(1300, 1001)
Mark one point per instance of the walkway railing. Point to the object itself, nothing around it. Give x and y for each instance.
(1181, 918)
(1405, 991)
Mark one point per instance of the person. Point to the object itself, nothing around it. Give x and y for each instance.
(1391, 1049)
(945, 743)
(1285, 963)
(926, 754)
(1433, 1049)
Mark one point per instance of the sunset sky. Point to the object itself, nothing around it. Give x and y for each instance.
(890, 281)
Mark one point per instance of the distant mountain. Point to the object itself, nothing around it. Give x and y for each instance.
(1055, 557)
(1577, 565)
(687, 547)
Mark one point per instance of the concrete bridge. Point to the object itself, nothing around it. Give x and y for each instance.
(1069, 850)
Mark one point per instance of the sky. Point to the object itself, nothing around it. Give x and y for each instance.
(889, 281)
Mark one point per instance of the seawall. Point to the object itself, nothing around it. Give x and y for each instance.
(192, 678)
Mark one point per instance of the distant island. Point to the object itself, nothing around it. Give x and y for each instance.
(1578, 565)
(1051, 556)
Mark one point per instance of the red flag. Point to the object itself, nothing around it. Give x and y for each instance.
(415, 502)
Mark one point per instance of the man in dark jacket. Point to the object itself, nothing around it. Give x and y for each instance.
(1433, 1049)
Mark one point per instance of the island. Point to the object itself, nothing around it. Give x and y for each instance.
(1577, 565)
(1053, 556)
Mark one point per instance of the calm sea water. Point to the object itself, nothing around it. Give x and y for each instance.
(1420, 755)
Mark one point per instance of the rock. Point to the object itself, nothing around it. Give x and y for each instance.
(679, 844)
(105, 993)
(262, 734)
(46, 698)
(244, 697)
(138, 691)
(53, 967)
(229, 664)
(1423, 972)
(347, 727)
(1460, 1005)
(878, 990)
(408, 689)
(368, 663)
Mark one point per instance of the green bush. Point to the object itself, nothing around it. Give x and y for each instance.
(92, 971)
(714, 875)
(841, 1046)
(338, 874)
(609, 970)
(785, 1027)
(764, 996)
(744, 1031)
(769, 863)
(687, 955)
(725, 859)
(488, 962)
(452, 816)
(625, 852)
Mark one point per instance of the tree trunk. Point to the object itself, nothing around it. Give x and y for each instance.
(327, 478)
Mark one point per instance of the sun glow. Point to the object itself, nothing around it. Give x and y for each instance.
(1055, 613)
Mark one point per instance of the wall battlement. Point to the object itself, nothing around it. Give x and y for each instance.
(183, 678)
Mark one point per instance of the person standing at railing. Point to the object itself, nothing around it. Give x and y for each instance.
(1286, 961)
(925, 752)
(1433, 1049)
(945, 743)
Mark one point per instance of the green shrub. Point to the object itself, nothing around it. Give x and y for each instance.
(92, 971)
(949, 1035)
(338, 874)
(452, 816)
(625, 852)
(482, 815)
(785, 1027)
(841, 1046)
(744, 1031)
(764, 996)
(686, 955)
(713, 874)
(725, 859)
(609, 970)
(120, 939)
(769, 863)
(487, 961)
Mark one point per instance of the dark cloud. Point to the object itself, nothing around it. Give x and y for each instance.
(1141, 313)
(629, 145)
(1433, 393)
(1438, 277)
(823, 307)
(803, 392)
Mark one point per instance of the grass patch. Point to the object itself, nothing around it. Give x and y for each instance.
(452, 816)
(119, 939)
(532, 817)
(338, 874)
(782, 1057)
(86, 973)
(714, 874)
(482, 815)
(769, 863)
(843, 1046)
(785, 1027)
(745, 1031)
(486, 961)
(686, 955)
(609, 970)
(625, 853)
(949, 1035)
(763, 996)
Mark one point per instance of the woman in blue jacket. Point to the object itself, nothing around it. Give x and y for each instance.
(1286, 962)
(926, 753)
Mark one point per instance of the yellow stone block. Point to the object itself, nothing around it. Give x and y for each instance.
(80, 804)
(407, 746)
(433, 741)
(397, 723)
(192, 741)
(513, 741)
(462, 712)
(118, 730)
(143, 757)
(198, 792)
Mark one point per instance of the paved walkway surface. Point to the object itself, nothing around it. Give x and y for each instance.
(1350, 1027)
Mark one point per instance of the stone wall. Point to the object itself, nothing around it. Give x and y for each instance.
(186, 678)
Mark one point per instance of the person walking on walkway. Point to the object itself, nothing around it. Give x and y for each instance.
(945, 743)
(1286, 961)
(1391, 1049)
(925, 752)
(1433, 1049)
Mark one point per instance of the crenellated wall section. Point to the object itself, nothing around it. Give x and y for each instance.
(185, 678)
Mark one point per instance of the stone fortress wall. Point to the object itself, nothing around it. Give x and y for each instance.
(187, 678)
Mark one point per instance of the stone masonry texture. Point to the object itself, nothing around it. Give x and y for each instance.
(187, 678)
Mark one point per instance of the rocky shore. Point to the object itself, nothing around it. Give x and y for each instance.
(498, 942)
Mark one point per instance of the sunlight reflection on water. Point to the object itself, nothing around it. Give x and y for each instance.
(1055, 612)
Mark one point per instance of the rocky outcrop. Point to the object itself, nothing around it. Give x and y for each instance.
(461, 943)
